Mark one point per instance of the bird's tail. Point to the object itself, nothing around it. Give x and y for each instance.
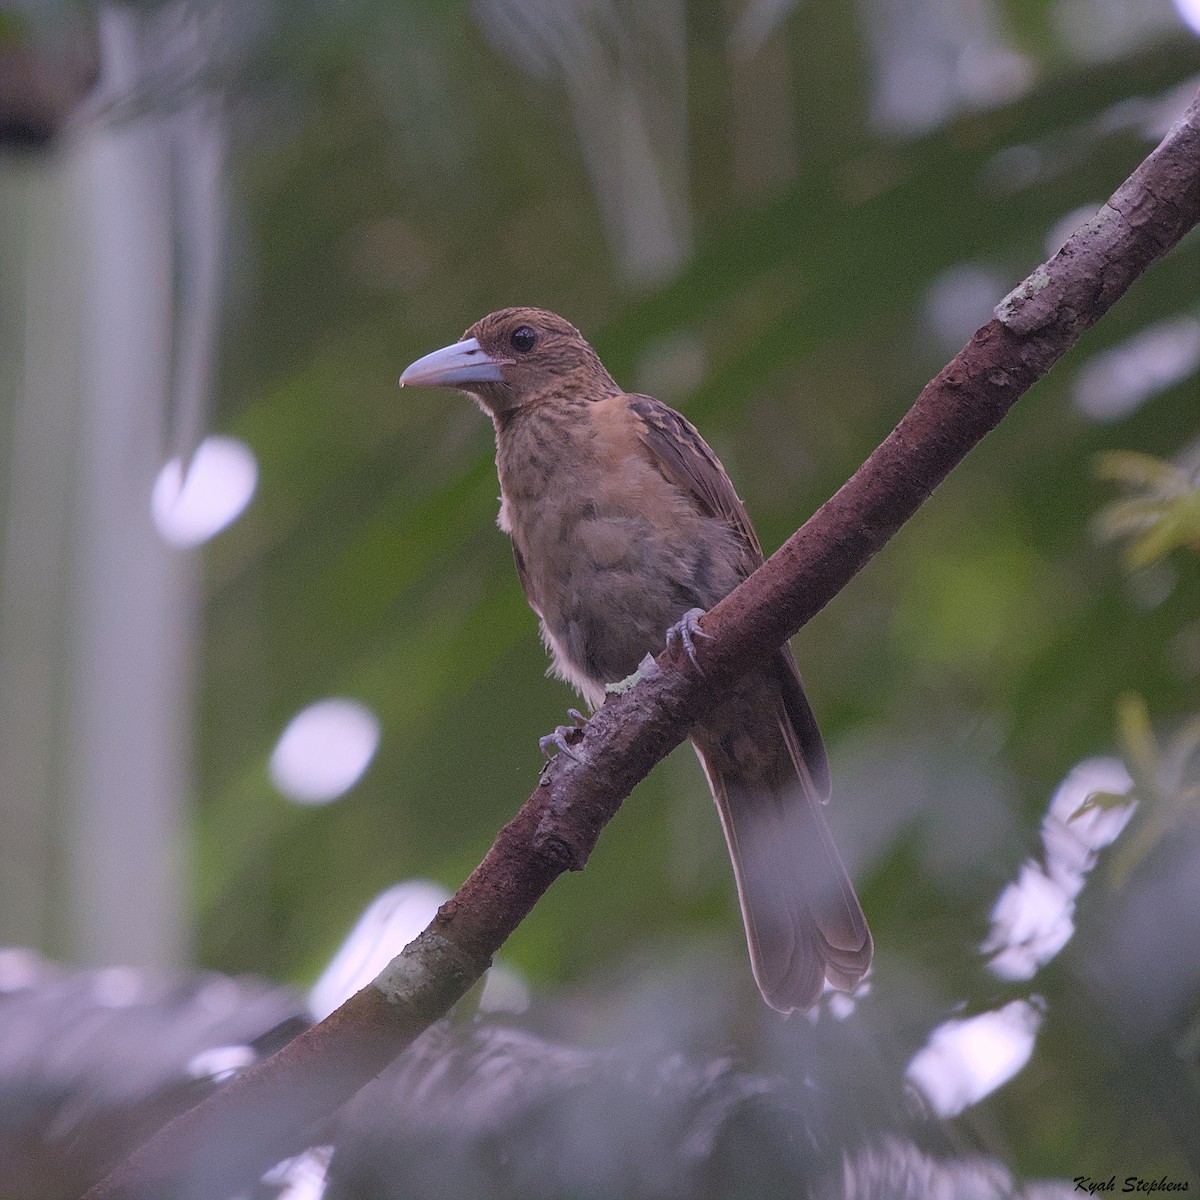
(803, 920)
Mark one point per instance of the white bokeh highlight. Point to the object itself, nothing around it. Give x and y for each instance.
(190, 505)
(1057, 234)
(965, 1060)
(324, 750)
(387, 925)
(1189, 14)
(303, 1177)
(1034, 917)
(961, 299)
(1032, 921)
(20, 968)
(117, 987)
(219, 1063)
(1115, 383)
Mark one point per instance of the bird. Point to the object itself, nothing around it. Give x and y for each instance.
(625, 529)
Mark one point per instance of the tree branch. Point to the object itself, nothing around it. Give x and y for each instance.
(258, 1118)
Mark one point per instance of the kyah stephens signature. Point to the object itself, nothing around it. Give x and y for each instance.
(1131, 1183)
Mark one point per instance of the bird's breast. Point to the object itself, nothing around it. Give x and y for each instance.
(611, 553)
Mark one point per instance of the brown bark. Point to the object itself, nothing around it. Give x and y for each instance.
(259, 1117)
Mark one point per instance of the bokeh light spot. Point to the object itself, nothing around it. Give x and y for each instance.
(1117, 382)
(191, 505)
(963, 1061)
(324, 750)
(960, 300)
(219, 1063)
(386, 926)
(1189, 14)
(1034, 917)
(1066, 225)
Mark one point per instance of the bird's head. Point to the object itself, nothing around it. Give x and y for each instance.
(513, 358)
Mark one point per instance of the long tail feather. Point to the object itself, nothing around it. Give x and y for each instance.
(803, 920)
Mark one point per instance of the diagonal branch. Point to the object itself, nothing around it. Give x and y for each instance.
(260, 1117)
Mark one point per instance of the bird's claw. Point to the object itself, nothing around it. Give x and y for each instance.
(564, 738)
(685, 631)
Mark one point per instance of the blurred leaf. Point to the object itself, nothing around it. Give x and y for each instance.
(1164, 784)
(1102, 802)
(1164, 516)
(1133, 727)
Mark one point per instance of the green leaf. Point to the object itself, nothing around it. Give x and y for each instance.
(1135, 469)
(1165, 513)
(1102, 801)
(1133, 724)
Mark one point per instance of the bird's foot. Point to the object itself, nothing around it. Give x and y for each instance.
(686, 630)
(564, 738)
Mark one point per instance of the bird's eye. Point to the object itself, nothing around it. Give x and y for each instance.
(523, 339)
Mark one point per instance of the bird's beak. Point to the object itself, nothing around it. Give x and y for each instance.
(453, 366)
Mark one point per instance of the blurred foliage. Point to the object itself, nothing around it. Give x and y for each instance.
(402, 170)
(1166, 784)
(1162, 510)
(1161, 514)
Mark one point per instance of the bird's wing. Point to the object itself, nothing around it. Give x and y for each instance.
(803, 723)
(523, 576)
(685, 459)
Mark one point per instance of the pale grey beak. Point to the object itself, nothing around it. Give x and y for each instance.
(453, 366)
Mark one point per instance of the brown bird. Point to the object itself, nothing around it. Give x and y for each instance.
(625, 527)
